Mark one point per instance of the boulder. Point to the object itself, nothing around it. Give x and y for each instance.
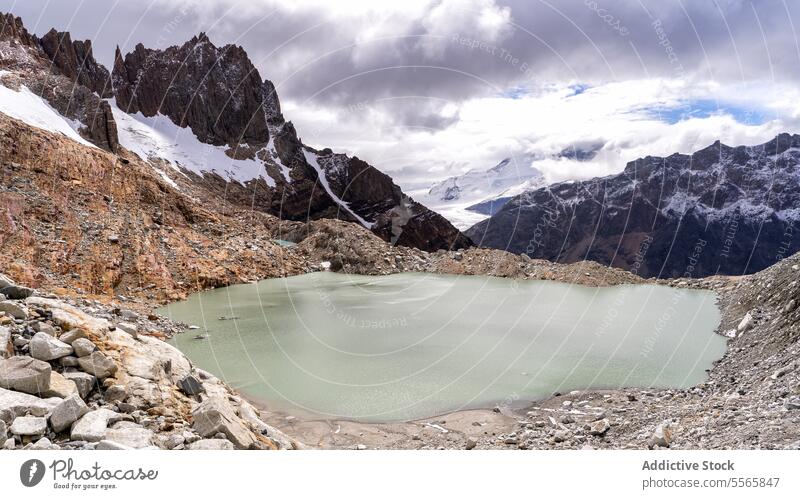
(130, 435)
(115, 393)
(60, 387)
(83, 347)
(73, 334)
(214, 416)
(20, 404)
(211, 444)
(29, 426)
(745, 324)
(662, 436)
(97, 364)
(561, 436)
(67, 412)
(13, 309)
(83, 381)
(16, 292)
(92, 426)
(131, 329)
(43, 327)
(45, 347)
(25, 374)
(599, 427)
(190, 385)
(69, 361)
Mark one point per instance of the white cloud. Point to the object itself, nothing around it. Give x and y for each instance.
(624, 116)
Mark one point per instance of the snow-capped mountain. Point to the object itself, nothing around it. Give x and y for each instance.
(463, 199)
(726, 210)
(202, 114)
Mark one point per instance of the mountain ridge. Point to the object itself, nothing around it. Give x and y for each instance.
(219, 96)
(739, 203)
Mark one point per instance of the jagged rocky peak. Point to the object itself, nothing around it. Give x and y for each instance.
(216, 91)
(13, 30)
(75, 60)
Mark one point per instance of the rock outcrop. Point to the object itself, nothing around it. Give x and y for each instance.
(217, 92)
(76, 61)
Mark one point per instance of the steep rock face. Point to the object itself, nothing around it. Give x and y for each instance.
(374, 197)
(75, 61)
(13, 30)
(217, 92)
(721, 210)
(62, 72)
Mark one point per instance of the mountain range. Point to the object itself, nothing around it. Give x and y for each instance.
(721, 210)
(202, 112)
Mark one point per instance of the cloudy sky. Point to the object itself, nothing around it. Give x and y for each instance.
(425, 89)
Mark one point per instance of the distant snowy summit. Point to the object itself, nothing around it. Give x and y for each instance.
(469, 198)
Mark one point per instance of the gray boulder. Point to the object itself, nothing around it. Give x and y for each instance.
(43, 327)
(599, 427)
(131, 329)
(25, 374)
(83, 347)
(84, 381)
(93, 425)
(16, 292)
(130, 435)
(20, 404)
(216, 416)
(67, 412)
(662, 436)
(45, 347)
(190, 385)
(14, 310)
(29, 426)
(97, 364)
(72, 335)
(60, 386)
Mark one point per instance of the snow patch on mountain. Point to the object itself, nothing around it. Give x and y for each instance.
(454, 196)
(159, 138)
(26, 106)
(313, 160)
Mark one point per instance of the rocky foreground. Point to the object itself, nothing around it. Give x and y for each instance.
(76, 374)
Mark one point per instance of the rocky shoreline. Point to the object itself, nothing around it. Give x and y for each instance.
(76, 374)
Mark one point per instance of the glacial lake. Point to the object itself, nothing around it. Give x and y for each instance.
(410, 346)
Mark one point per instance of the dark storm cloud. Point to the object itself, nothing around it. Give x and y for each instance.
(355, 64)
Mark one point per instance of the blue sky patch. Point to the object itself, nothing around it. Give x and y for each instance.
(703, 108)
